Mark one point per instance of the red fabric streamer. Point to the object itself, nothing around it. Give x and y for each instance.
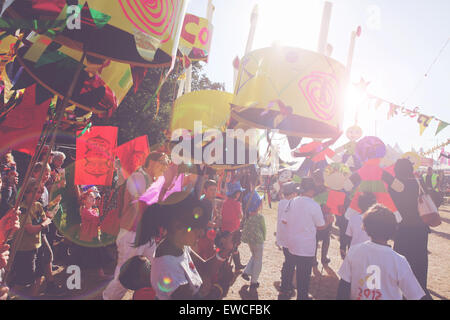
(95, 156)
(133, 154)
(22, 127)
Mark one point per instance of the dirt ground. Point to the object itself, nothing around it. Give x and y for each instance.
(324, 281)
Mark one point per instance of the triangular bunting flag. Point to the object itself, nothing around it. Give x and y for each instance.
(442, 125)
(423, 121)
(392, 110)
(378, 102)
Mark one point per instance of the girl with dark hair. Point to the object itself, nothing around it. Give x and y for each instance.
(411, 239)
(178, 222)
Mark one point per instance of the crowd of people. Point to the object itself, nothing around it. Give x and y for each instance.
(177, 232)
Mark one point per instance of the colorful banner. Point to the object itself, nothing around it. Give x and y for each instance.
(153, 23)
(196, 35)
(442, 125)
(442, 145)
(423, 120)
(95, 156)
(21, 128)
(296, 91)
(132, 155)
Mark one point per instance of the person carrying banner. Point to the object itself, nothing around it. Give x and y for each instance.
(155, 165)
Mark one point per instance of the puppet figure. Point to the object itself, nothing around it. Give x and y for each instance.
(349, 157)
(371, 177)
(315, 154)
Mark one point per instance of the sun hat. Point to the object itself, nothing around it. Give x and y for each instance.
(233, 188)
(255, 201)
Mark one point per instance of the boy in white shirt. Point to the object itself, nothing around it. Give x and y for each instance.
(355, 228)
(303, 220)
(287, 271)
(372, 270)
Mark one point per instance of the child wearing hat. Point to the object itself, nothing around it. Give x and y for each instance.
(231, 218)
(254, 234)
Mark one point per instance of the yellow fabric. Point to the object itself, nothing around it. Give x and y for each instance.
(35, 216)
(201, 29)
(133, 18)
(414, 158)
(211, 107)
(310, 83)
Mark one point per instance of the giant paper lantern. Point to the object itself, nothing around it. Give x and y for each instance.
(296, 91)
(94, 91)
(211, 107)
(138, 32)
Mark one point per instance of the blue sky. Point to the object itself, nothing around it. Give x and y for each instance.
(400, 39)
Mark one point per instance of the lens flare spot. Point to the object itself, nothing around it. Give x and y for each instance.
(165, 285)
(189, 229)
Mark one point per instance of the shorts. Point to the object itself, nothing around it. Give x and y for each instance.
(322, 235)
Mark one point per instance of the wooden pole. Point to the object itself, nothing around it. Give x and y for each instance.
(60, 108)
(251, 34)
(249, 45)
(323, 36)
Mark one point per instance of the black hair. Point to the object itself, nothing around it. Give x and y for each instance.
(155, 156)
(379, 222)
(404, 169)
(307, 184)
(209, 183)
(366, 200)
(182, 207)
(135, 273)
(219, 237)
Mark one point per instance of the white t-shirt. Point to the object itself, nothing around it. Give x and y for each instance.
(355, 230)
(376, 272)
(44, 197)
(169, 272)
(302, 219)
(282, 236)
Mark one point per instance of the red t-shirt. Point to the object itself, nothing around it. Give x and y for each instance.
(144, 294)
(231, 215)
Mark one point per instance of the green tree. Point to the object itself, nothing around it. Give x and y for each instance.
(131, 118)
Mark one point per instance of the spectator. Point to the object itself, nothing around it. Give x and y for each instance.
(205, 245)
(355, 228)
(411, 239)
(139, 181)
(9, 224)
(135, 275)
(28, 263)
(372, 270)
(302, 222)
(287, 271)
(231, 219)
(174, 273)
(254, 234)
(90, 221)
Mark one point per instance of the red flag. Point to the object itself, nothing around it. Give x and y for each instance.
(22, 127)
(132, 155)
(95, 156)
